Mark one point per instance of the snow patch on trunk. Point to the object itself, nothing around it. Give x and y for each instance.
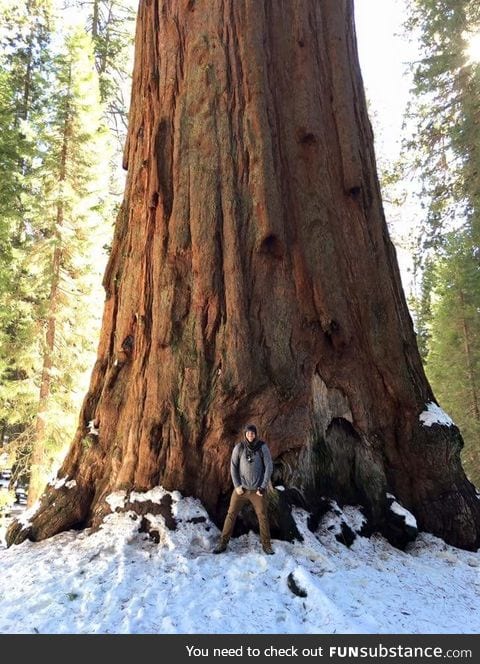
(410, 520)
(62, 481)
(155, 495)
(435, 415)
(116, 500)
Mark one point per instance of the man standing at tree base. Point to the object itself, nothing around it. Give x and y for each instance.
(251, 468)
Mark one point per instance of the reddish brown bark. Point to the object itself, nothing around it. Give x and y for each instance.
(252, 278)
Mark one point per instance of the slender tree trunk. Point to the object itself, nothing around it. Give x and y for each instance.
(95, 19)
(104, 60)
(252, 278)
(22, 113)
(38, 463)
(37, 468)
(468, 357)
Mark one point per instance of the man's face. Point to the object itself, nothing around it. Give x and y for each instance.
(250, 435)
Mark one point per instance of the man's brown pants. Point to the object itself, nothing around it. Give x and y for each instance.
(236, 504)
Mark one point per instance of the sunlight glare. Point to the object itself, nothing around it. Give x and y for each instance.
(473, 47)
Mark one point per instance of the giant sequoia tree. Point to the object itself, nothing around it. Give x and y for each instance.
(252, 278)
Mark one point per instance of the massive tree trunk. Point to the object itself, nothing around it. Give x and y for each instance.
(252, 278)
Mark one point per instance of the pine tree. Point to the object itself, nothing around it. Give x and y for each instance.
(453, 363)
(445, 153)
(75, 203)
(56, 220)
(111, 24)
(24, 85)
(443, 114)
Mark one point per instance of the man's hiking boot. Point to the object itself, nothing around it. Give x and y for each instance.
(220, 548)
(268, 550)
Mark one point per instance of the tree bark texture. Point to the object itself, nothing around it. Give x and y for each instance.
(252, 278)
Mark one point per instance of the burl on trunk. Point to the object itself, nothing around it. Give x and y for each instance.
(252, 278)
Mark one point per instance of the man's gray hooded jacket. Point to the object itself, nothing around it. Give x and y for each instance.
(254, 474)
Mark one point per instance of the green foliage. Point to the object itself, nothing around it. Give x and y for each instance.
(111, 25)
(444, 144)
(453, 363)
(443, 152)
(57, 213)
(25, 69)
(86, 443)
(69, 249)
(421, 307)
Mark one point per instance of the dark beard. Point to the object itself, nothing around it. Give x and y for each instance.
(253, 446)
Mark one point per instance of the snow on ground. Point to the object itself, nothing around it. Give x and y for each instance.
(117, 580)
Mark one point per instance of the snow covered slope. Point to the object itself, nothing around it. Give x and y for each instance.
(117, 580)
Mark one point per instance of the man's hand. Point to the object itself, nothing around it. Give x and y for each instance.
(260, 491)
(239, 490)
